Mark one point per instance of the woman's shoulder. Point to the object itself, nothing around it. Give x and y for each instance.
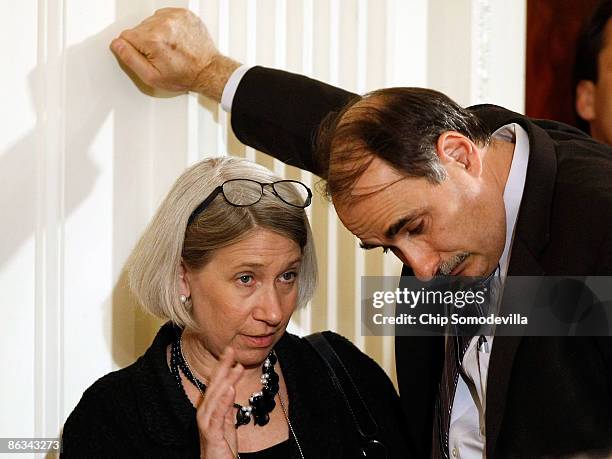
(343, 344)
(109, 390)
(119, 388)
(374, 386)
(116, 382)
(356, 361)
(139, 408)
(96, 421)
(344, 347)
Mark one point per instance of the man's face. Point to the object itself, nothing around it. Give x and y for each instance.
(594, 100)
(601, 126)
(456, 227)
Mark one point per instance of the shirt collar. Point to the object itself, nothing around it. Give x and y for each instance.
(515, 185)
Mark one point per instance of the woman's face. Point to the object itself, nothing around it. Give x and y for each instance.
(245, 295)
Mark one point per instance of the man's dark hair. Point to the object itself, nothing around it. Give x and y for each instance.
(589, 45)
(399, 125)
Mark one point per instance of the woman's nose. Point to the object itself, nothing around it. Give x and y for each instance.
(269, 308)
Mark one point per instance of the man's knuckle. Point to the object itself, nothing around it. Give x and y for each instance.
(126, 34)
(154, 38)
(166, 22)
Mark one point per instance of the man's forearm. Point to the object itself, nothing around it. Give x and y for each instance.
(279, 113)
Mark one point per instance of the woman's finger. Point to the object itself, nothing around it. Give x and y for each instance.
(225, 376)
(217, 438)
(218, 412)
(219, 374)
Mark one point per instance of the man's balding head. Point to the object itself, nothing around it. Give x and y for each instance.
(406, 172)
(398, 125)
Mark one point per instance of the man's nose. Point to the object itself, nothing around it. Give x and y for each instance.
(423, 260)
(268, 307)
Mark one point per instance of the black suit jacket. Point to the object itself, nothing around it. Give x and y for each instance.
(546, 396)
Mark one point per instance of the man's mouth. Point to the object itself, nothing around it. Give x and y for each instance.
(458, 269)
(453, 266)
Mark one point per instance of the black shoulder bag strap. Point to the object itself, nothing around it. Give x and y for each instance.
(364, 421)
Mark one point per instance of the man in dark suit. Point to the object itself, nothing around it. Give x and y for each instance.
(450, 190)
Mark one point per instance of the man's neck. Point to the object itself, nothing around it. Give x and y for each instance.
(498, 159)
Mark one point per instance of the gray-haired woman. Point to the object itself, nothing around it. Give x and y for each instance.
(227, 259)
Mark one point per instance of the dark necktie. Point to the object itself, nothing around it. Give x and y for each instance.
(456, 346)
(455, 350)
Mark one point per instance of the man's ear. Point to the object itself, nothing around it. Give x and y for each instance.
(454, 147)
(183, 281)
(585, 100)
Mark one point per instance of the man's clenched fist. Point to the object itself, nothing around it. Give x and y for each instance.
(173, 50)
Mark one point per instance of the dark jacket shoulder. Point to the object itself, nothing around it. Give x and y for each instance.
(101, 423)
(137, 411)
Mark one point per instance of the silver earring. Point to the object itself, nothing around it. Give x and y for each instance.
(183, 299)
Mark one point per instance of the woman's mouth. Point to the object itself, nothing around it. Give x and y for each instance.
(259, 340)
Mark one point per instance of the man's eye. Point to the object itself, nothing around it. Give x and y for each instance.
(417, 229)
(245, 279)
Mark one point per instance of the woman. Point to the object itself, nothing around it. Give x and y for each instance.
(226, 260)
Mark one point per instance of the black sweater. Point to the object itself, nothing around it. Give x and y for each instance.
(140, 411)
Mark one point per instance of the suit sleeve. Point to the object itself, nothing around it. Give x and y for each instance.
(279, 113)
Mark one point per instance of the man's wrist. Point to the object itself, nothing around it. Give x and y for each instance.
(212, 79)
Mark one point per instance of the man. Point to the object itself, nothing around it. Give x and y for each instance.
(593, 73)
(411, 171)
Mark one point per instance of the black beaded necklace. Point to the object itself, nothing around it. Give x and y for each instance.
(260, 403)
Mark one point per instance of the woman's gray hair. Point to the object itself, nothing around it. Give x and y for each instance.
(154, 265)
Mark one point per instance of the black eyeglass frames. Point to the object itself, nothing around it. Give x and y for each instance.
(246, 192)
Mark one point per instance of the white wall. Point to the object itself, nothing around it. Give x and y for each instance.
(86, 155)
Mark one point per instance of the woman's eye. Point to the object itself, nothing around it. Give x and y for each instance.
(289, 276)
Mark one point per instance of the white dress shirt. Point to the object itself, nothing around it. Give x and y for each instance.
(467, 436)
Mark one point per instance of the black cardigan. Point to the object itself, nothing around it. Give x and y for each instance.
(140, 411)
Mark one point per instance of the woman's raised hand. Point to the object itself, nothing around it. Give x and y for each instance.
(215, 414)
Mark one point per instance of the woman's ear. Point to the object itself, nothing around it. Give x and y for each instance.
(454, 147)
(183, 281)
